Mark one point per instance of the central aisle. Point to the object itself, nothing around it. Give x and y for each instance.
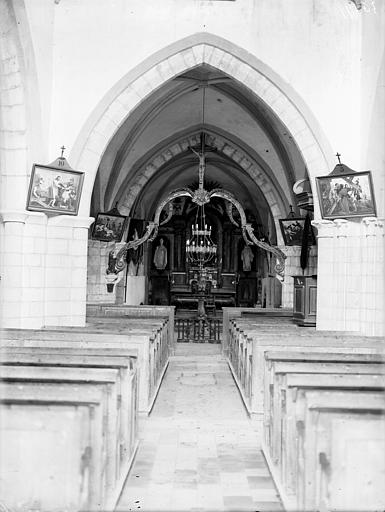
(197, 449)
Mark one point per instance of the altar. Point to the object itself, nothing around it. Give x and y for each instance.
(220, 288)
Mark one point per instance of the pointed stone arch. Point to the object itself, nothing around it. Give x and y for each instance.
(178, 58)
(278, 206)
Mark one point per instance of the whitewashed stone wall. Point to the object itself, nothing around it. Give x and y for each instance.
(44, 267)
(293, 268)
(66, 270)
(96, 278)
(130, 289)
(251, 54)
(350, 293)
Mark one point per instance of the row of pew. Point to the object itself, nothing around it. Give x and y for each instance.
(319, 400)
(70, 399)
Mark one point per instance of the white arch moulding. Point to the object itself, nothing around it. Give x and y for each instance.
(201, 48)
(277, 207)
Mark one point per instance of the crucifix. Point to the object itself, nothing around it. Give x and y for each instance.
(62, 151)
(338, 156)
(199, 151)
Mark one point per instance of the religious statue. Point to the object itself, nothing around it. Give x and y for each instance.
(160, 256)
(247, 258)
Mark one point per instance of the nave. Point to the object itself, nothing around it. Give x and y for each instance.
(198, 449)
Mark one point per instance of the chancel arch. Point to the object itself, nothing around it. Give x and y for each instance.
(143, 137)
(201, 49)
(242, 164)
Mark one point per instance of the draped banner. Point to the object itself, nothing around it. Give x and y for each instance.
(306, 237)
(136, 228)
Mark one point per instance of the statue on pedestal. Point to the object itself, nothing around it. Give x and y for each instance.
(160, 256)
(247, 258)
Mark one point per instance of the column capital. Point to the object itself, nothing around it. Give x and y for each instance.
(14, 216)
(72, 222)
(325, 228)
(342, 227)
(372, 224)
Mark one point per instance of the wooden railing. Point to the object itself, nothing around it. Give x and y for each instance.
(194, 330)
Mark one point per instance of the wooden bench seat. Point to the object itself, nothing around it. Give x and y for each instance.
(340, 450)
(134, 312)
(88, 358)
(247, 361)
(32, 366)
(317, 375)
(152, 357)
(108, 379)
(53, 449)
(282, 454)
(280, 364)
(277, 365)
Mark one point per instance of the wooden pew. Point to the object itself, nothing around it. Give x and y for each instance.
(53, 453)
(236, 313)
(278, 367)
(107, 380)
(51, 366)
(320, 464)
(152, 358)
(342, 452)
(84, 358)
(285, 466)
(159, 327)
(252, 349)
(292, 351)
(136, 312)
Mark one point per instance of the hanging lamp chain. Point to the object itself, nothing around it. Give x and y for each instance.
(201, 169)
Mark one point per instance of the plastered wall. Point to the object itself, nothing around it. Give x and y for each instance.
(58, 69)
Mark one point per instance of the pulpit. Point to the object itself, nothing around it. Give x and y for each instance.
(305, 300)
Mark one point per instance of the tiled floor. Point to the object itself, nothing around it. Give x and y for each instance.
(198, 449)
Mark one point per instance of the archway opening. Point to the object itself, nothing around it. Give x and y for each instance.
(254, 156)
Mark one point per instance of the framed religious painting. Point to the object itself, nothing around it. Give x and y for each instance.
(292, 231)
(108, 227)
(346, 195)
(54, 189)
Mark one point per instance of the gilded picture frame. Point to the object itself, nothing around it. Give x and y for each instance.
(54, 190)
(346, 195)
(292, 231)
(108, 227)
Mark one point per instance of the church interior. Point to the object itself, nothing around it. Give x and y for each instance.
(192, 255)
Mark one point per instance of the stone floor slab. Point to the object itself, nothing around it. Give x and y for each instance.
(198, 451)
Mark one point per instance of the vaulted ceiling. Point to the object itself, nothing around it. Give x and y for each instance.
(201, 99)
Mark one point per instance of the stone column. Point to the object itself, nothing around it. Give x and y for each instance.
(351, 276)
(66, 270)
(372, 277)
(326, 287)
(12, 264)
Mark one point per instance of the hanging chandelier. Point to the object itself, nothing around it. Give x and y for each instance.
(200, 248)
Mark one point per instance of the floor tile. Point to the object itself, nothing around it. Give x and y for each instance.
(197, 450)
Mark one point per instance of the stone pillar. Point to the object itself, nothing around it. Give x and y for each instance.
(44, 269)
(12, 264)
(372, 276)
(293, 268)
(351, 276)
(326, 286)
(66, 270)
